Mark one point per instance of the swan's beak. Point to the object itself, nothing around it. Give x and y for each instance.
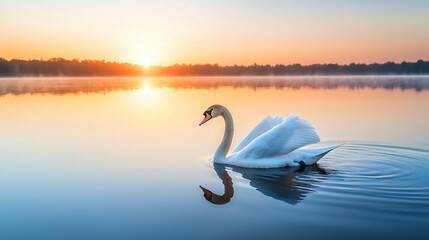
(206, 118)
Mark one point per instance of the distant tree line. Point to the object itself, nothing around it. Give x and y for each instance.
(63, 67)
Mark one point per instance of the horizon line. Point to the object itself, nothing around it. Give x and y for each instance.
(213, 64)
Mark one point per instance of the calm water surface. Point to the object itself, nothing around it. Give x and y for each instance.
(103, 158)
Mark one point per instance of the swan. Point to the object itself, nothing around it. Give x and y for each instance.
(275, 142)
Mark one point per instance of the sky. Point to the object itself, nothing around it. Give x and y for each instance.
(224, 32)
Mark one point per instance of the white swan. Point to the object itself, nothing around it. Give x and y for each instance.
(275, 142)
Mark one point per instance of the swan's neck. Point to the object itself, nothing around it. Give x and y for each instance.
(224, 146)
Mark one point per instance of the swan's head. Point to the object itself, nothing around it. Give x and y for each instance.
(212, 112)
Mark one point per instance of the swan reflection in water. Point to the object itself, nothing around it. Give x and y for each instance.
(290, 185)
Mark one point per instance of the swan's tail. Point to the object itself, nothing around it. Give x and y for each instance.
(313, 155)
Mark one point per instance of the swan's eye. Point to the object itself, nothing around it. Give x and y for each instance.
(209, 112)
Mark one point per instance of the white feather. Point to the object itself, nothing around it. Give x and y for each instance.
(263, 126)
(280, 139)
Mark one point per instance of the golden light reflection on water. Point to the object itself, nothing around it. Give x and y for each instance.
(146, 94)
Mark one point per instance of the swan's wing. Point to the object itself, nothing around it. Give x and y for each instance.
(283, 138)
(265, 125)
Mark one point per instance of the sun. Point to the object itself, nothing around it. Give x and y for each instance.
(146, 61)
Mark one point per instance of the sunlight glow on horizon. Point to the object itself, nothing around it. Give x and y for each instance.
(221, 32)
(146, 61)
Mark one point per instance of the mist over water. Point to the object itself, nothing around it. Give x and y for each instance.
(66, 85)
(124, 158)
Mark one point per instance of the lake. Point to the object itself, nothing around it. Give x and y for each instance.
(124, 158)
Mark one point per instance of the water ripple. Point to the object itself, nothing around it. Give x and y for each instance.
(378, 178)
(360, 180)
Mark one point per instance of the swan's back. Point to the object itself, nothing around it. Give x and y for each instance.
(275, 136)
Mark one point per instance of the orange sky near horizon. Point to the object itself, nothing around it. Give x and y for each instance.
(223, 32)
